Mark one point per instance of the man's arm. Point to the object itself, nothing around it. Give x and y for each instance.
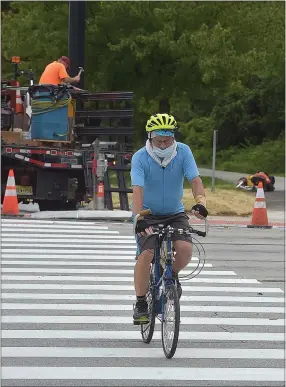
(75, 79)
(198, 191)
(192, 174)
(65, 78)
(137, 199)
(137, 183)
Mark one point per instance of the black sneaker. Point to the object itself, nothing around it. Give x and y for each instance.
(141, 313)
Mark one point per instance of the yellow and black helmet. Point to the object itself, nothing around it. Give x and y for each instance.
(161, 122)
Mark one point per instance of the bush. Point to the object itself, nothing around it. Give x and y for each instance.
(269, 157)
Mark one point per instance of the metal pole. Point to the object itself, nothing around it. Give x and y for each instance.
(214, 155)
(76, 38)
(94, 177)
(100, 175)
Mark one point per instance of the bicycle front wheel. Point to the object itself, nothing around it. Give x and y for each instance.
(171, 322)
(147, 330)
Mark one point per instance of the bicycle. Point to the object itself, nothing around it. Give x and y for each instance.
(162, 289)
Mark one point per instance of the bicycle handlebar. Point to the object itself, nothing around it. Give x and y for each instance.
(189, 230)
(156, 230)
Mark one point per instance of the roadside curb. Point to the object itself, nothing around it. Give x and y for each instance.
(125, 216)
(235, 223)
(23, 215)
(83, 214)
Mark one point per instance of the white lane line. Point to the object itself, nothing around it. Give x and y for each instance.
(129, 287)
(184, 308)
(113, 245)
(88, 263)
(144, 373)
(181, 353)
(31, 231)
(83, 238)
(59, 227)
(126, 297)
(106, 271)
(60, 278)
(91, 255)
(53, 252)
(135, 335)
(40, 223)
(130, 244)
(126, 320)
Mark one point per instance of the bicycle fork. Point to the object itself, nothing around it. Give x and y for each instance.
(165, 280)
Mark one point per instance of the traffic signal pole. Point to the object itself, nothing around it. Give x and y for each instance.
(76, 41)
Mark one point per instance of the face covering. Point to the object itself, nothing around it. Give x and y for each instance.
(162, 153)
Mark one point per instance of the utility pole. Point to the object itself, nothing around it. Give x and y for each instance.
(95, 145)
(101, 168)
(76, 38)
(214, 157)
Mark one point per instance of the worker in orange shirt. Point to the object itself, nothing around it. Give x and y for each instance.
(55, 73)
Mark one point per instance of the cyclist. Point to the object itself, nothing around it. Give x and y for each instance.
(157, 177)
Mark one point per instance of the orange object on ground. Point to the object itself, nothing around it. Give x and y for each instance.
(53, 74)
(259, 213)
(10, 203)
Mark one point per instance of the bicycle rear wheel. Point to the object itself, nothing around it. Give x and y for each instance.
(171, 323)
(147, 330)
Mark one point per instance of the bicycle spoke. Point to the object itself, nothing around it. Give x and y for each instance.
(147, 330)
(171, 322)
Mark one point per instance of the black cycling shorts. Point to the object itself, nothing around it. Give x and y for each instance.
(180, 220)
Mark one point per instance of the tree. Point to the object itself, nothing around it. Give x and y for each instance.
(214, 64)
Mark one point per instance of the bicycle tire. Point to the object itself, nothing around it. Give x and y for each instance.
(171, 293)
(147, 330)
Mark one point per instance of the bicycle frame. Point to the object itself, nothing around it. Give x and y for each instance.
(161, 281)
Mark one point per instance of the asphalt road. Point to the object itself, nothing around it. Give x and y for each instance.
(67, 295)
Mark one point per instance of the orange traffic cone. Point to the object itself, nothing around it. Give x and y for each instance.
(259, 213)
(19, 102)
(10, 203)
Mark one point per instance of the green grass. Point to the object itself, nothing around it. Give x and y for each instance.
(268, 157)
(207, 181)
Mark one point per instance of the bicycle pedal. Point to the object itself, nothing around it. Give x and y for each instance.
(140, 322)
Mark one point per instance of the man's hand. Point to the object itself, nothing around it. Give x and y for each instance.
(199, 211)
(142, 228)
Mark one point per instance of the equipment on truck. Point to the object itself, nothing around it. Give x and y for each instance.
(53, 155)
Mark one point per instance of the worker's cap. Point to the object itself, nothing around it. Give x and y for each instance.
(162, 132)
(66, 60)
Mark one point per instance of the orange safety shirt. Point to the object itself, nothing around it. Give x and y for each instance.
(263, 176)
(53, 74)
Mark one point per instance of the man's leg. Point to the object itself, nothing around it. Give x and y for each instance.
(183, 256)
(141, 278)
(141, 272)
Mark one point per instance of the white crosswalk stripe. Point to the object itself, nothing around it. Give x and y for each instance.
(67, 299)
